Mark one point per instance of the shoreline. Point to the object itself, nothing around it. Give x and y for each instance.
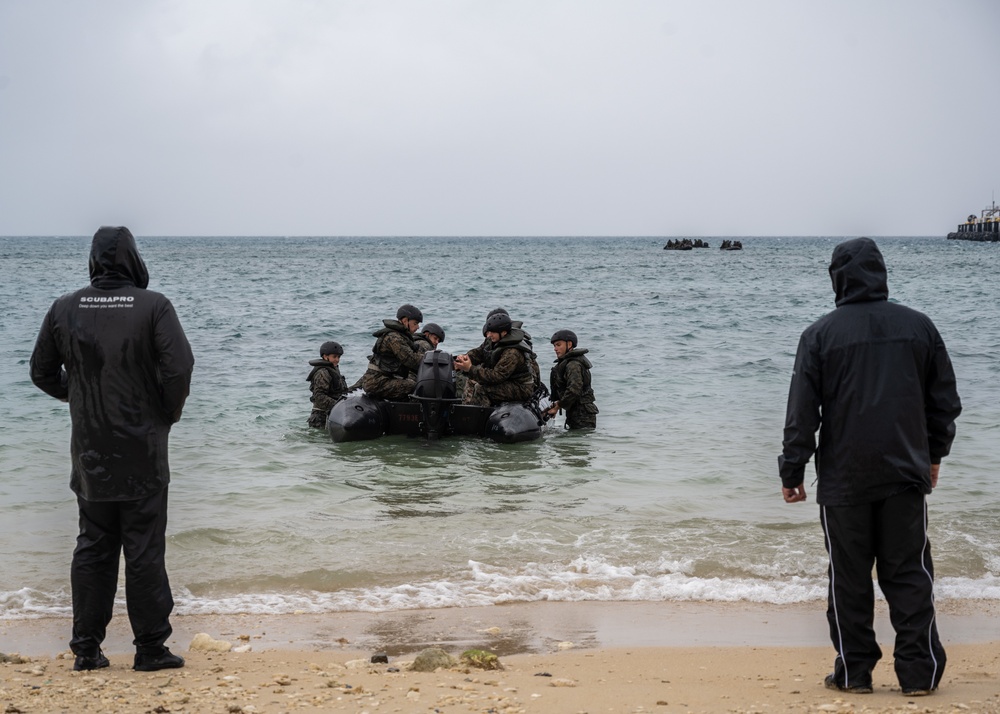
(518, 628)
(557, 658)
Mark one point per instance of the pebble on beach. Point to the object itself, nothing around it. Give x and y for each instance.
(204, 642)
(431, 659)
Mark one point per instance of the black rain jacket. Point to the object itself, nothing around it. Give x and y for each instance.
(875, 379)
(117, 353)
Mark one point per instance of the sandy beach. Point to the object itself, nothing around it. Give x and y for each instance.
(556, 657)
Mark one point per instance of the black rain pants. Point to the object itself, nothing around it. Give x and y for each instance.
(106, 528)
(892, 535)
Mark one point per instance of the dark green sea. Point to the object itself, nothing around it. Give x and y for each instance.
(674, 497)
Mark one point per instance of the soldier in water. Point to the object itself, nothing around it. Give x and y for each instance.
(569, 383)
(325, 382)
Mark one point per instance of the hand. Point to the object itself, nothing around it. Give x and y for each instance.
(935, 468)
(794, 495)
(463, 363)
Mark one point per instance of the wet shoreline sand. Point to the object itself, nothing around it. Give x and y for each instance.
(602, 657)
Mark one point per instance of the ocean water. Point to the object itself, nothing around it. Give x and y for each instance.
(674, 497)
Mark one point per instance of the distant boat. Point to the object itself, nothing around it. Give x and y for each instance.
(685, 244)
(985, 228)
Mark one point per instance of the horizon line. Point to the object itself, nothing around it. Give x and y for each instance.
(483, 235)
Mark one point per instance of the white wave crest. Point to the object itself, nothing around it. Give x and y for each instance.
(583, 579)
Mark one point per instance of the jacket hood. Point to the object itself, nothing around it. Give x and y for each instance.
(858, 273)
(115, 261)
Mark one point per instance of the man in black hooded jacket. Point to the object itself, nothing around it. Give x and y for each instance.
(875, 379)
(117, 353)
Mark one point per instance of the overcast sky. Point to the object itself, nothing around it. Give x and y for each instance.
(498, 117)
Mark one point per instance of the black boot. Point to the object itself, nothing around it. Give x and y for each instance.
(84, 663)
(154, 662)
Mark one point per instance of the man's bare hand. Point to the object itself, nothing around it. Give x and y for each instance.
(794, 495)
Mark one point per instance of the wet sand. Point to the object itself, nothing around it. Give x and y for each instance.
(599, 657)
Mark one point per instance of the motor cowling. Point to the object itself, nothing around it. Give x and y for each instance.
(435, 391)
(435, 377)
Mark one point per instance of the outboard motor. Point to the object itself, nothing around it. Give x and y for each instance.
(435, 391)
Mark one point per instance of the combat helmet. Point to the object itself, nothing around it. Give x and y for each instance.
(330, 348)
(432, 328)
(565, 336)
(491, 313)
(409, 312)
(498, 322)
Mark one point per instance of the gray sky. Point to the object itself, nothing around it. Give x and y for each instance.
(521, 117)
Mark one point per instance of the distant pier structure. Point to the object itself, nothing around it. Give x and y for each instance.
(984, 228)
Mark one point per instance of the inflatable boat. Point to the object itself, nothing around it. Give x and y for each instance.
(434, 411)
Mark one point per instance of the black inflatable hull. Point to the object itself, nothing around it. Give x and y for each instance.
(511, 423)
(356, 419)
(360, 418)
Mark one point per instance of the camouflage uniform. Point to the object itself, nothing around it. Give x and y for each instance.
(462, 385)
(515, 333)
(327, 387)
(570, 386)
(536, 372)
(392, 364)
(500, 372)
(421, 344)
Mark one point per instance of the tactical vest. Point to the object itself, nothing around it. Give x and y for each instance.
(421, 342)
(531, 358)
(510, 341)
(338, 385)
(558, 375)
(383, 359)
